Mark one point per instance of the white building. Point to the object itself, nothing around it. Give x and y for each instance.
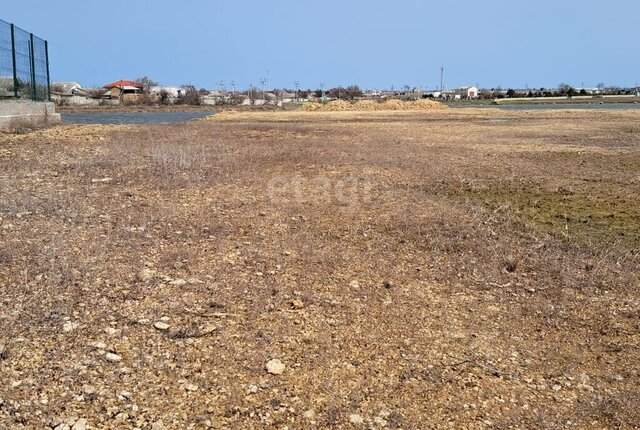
(170, 91)
(468, 92)
(65, 88)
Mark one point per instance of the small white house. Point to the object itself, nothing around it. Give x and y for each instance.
(468, 93)
(170, 91)
(65, 88)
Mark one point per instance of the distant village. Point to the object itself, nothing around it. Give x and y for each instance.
(146, 91)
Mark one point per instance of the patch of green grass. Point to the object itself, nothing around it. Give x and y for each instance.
(606, 219)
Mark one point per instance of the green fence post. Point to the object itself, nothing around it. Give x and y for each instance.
(46, 53)
(34, 95)
(13, 54)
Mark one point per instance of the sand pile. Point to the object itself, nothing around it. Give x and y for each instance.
(372, 105)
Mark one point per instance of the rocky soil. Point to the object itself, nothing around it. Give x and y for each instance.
(348, 270)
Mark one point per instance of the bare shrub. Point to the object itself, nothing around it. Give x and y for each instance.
(61, 101)
(97, 93)
(510, 264)
(145, 98)
(163, 97)
(191, 96)
(174, 158)
(22, 125)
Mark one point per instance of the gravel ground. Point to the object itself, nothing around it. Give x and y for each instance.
(401, 270)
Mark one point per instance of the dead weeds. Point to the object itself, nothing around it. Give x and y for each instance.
(413, 270)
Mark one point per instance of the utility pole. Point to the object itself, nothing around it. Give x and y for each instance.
(297, 85)
(441, 78)
(322, 91)
(263, 82)
(222, 95)
(233, 87)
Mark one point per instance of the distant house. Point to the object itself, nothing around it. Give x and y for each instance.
(288, 97)
(157, 90)
(372, 93)
(467, 93)
(121, 88)
(444, 95)
(65, 88)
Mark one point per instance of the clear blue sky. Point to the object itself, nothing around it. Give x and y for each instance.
(373, 43)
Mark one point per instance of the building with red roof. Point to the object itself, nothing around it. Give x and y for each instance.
(120, 88)
(123, 83)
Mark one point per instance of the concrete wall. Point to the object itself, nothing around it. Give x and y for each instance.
(21, 113)
(74, 100)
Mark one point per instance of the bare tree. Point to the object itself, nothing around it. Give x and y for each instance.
(191, 95)
(353, 91)
(97, 93)
(146, 83)
(564, 88)
(236, 98)
(252, 94)
(349, 93)
(163, 97)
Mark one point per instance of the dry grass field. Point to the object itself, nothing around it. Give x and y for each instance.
(409, 270)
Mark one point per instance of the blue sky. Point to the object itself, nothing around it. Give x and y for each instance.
(376, 44)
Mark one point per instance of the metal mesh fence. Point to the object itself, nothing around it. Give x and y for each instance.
(24, 64)
(6, 61)
(40, 72)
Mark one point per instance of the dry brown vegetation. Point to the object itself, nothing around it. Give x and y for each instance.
(373, 105)
(413, 270)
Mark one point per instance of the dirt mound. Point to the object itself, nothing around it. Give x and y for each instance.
(368, 105)
(336, 106)
(310, 107)
(70, 132)
(372, 105)
(396, 105)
